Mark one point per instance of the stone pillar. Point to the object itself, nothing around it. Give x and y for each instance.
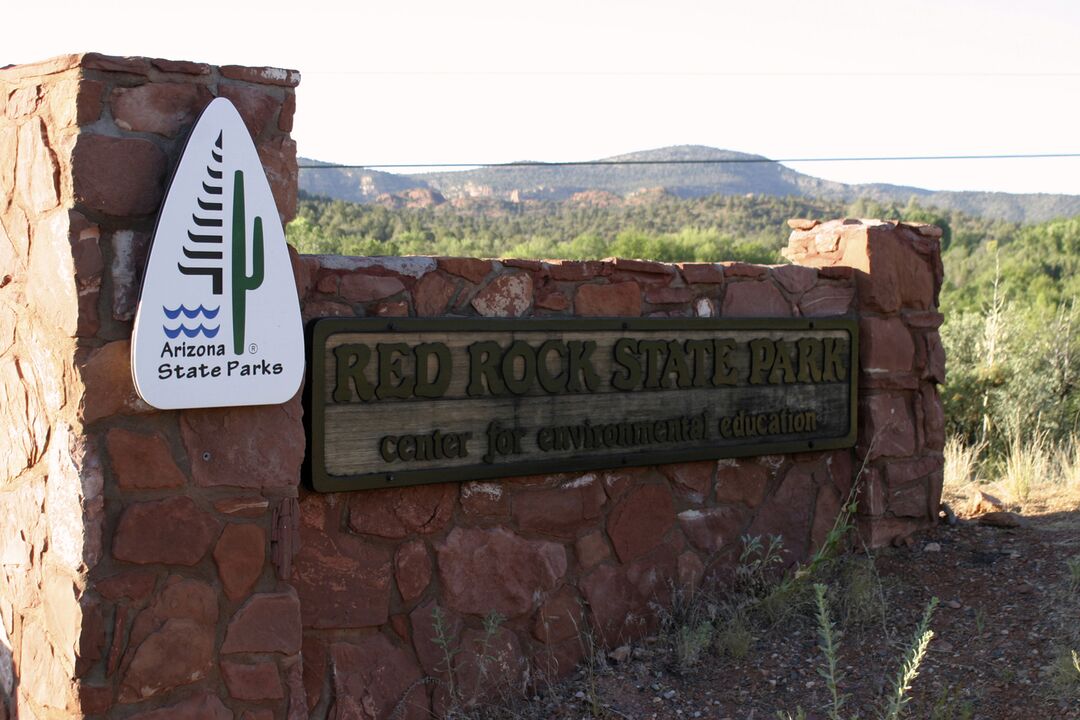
(898, 275)
(195, 537)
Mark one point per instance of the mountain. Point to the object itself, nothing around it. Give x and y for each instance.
(682, 178)
(352, 185)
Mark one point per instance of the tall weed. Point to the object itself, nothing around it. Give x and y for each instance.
(1026, 463)
(962, 461)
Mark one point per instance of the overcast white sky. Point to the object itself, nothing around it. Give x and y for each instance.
(414, 81)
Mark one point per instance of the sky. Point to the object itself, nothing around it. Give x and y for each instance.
(425, 81)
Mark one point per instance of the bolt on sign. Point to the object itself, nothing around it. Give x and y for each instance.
(218, 320)
(413, 401)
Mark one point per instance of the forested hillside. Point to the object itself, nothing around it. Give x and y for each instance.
(1009, 294)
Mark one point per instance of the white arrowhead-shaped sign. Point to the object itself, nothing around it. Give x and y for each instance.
(218, 321)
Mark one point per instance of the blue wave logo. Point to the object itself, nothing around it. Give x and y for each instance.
(191, 314)
(173, 333)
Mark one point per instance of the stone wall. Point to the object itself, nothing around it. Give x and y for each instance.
(174, 565)
(86, 146)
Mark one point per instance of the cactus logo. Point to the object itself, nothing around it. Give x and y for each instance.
(218, 321)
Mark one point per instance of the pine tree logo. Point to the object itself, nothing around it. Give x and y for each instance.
(218, 322)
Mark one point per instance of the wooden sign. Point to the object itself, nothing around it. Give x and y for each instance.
(409, 401)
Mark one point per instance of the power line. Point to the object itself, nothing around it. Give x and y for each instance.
(706, 161)
(692, 74)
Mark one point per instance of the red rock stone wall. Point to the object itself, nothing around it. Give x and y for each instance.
(173, 564)
(130, 576)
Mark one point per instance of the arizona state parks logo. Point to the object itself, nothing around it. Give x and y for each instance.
(218, 321)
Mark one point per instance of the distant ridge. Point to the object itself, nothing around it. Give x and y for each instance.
(686, 180)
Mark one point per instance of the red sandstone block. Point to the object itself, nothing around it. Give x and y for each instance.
(617, 300)
(179, 653)
(887, 428)
(365, 288)
(788, 512)
(52, 66)
(885, 344)
(592, 549)
(399, 308)
(744, 270)
(424, 636)
(262, 75)
(837, 272)
(899, 473)
(560, 618)
(505, 296)
(119, 177)
(871, 500)
(485, 500)
(910, 501)
(561, 511)
(935, 358)
(398, 512)
(929, 320)
(472, 269)
(702, 273)
(254, 681)
(485, 570)
(182, 67)
(278, 157)
(640, 521)
(343, 581)
(288, 111)
(432, 294)
(711, 529)
(412, 569)
(90, 101)
(574, 270)
(741, 481)
(796, 279)
(896, 275)
(329, 283)
(270, 455)
(826, 510)
(668, 295)
(884, 380)
(754, 299)
(256, 107)
(267, 623)
(372, 677)
(693, 480)
(556, 301)
(135, 585)
(325, 308)
(884, 531)
(198, 707)
(640, 266)
(933, 418)
(113, 63)
(531, 265)
(161, 108)
(691, 571)
(142, 462)
(240, 554)
(248, 506)
(827, 300)
(37, 175)
(173, 531)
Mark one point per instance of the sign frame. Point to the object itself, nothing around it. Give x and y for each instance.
(321, 329)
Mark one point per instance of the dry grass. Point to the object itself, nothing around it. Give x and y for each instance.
(1034, 476)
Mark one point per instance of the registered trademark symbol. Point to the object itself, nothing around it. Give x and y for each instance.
(253, 348)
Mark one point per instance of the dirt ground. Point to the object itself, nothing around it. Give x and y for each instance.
(1009, 613)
